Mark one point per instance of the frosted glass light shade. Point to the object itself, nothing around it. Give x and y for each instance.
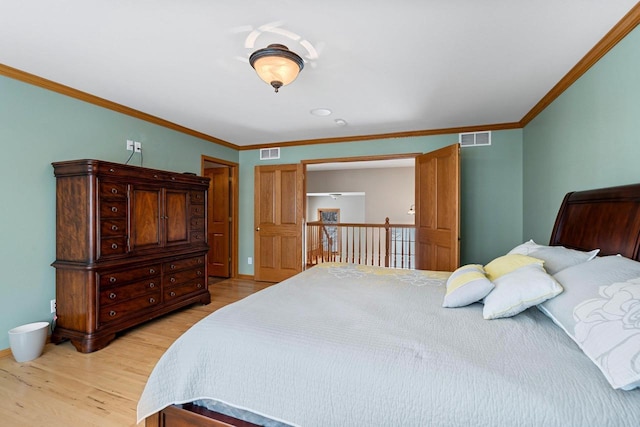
(276, 65)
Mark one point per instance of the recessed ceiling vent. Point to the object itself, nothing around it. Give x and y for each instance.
(269, 153)
(475, 139)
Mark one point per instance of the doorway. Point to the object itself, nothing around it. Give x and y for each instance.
(222, 218)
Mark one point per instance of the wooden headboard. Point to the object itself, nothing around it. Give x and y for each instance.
(606, 218)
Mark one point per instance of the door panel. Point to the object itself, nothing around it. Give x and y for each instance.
(146, 205)
(278, 221)
(438, 209)
(177, 217)
(219, 224)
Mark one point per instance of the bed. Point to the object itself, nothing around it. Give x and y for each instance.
(343, 344)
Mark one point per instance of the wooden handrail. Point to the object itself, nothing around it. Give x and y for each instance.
(389, 245)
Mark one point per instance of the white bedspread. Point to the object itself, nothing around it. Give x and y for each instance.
(346, 345)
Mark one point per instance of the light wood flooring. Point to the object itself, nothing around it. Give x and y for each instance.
(66, 388)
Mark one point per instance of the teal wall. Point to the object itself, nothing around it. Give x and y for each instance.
(38, 127)
(587, 138)
(491, 188)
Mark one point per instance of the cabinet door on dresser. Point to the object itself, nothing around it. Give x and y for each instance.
(146, 216)
(159, 217)
(176, 217)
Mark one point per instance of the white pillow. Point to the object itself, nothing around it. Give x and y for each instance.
(556, 258)
(518, 290)
(525, 248)
(600, 311)
(466, 285)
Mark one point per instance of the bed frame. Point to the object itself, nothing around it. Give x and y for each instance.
(606, 218)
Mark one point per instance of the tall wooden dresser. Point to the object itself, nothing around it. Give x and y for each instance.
(131, 245)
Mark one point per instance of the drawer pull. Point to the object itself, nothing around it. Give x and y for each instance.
(152, 271)
(114, 190)
(152, 285)
(114, 209)
(199, 285)
(155, 176)
(152, 300)
(173, 294)
(198, 237)
(114, 246)
(112, 295)
(172, 266)
(112, 170)
(199, 273)
(112, 279)
(112, 313)
(114, 227)
(199, 260)
(172, 280)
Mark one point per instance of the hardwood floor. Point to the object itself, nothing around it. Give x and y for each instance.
(66, 388)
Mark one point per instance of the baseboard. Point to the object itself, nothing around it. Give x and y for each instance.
(245, 276)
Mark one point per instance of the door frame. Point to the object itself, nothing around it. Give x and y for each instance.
(235, 197)
(374, 158)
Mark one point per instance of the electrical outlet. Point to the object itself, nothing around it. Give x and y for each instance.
(249, 260)
(129, 145)
(53, 306)
(137, 146)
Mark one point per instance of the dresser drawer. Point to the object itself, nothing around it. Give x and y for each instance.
(113, 208)
(184, 289)
(197, 224)
(113, 227)
(113, 246)
(197, 211)
(183, 264)
(197, 236)
(135, 274)
(112, 190)
(197, 197)
(114, 312)
(117, 294)
(180, 277)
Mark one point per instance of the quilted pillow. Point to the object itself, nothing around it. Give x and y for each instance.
(556, 258)
(600, 311)
(518, 290)
(466, 285)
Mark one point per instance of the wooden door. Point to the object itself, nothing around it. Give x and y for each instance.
(218, 221)
(278, 221)
(438, 209)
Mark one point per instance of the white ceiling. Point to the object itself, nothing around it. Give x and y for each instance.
(383, 66)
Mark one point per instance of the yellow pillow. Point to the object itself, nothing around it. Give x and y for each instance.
(508, 263)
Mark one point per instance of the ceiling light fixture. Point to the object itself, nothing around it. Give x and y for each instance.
(321, 112)
(276, 65)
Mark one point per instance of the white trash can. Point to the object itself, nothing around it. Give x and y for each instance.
(27, 341)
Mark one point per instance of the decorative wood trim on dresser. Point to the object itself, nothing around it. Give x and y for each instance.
(131, 245)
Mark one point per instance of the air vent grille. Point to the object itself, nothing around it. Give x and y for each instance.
(269, 153)
(475, 139)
